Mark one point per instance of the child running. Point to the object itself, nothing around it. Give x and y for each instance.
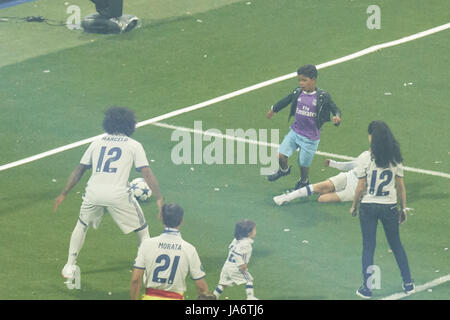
(235, 271)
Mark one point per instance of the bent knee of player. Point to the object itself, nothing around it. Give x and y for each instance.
(328, 197)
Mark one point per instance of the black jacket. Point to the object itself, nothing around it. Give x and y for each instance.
(325, 105)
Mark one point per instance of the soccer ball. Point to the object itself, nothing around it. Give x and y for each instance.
(140, 189)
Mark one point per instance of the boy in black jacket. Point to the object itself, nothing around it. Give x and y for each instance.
(311, 107)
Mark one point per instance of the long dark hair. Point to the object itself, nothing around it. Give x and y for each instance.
(384, 147)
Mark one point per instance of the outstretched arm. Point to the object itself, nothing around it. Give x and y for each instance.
(343, 166)
(150, 178)
(281, 104)
(74, 177)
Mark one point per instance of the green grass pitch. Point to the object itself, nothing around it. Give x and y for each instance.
(55, 84)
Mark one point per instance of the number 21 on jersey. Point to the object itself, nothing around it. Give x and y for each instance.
(165, 262)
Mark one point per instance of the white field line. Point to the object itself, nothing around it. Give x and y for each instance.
(274, 145)
(49, 153)
(235, 93)
(423, 287)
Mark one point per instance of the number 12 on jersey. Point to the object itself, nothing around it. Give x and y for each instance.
(385, 177)
(114, 154)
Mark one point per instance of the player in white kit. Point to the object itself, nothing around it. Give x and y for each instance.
(111, 158)
(164, 262)
(235, 269)
(340, 188)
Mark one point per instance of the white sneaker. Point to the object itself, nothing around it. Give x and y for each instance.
(252, 298)
(72, 273)
(409, 288)
(281, 199)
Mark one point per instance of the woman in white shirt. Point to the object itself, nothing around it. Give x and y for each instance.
(380, 183)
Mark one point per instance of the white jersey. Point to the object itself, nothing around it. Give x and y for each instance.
(167, 259)
(380, 181)
(111, 158)
(239, 253)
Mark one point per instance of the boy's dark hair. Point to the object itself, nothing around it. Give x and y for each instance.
(119, 120)
(172, 215)
(308, 70)
(243, 229)
(384, 147)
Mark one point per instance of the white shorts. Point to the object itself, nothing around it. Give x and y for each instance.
(230, 277)
(345, 185)
(126, 213)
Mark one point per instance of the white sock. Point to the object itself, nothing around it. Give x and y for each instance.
(76, 242)
(301, 193)
(249, 290)
(218, 291)
(142, 235)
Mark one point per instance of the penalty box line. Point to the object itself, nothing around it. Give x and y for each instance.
(274, 145)
(235, 93)
(420, 288)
